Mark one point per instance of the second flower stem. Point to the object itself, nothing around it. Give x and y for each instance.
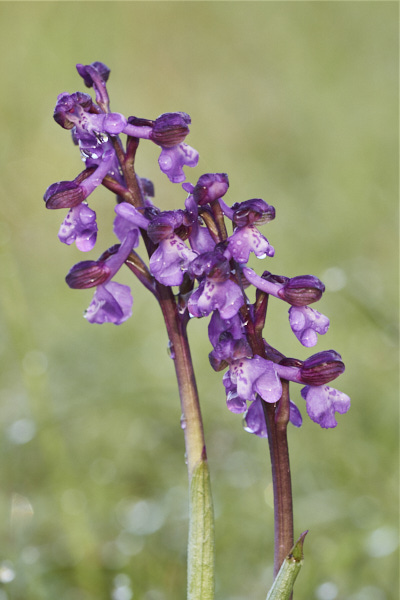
(277, 417)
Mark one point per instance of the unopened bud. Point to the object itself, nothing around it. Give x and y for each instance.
(250, 212)
(321, 368)
(302, 290)
(170, 129)
(63, 194)
(210, 187)
(87, 274)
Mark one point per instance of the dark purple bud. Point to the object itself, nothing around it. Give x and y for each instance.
(89, 73)
(212, 265)
(87, 274)
(170, 129)
(250, 212)
(64, 194)
(321, 368)
(210, 187)
(302, 290)
(66, 103)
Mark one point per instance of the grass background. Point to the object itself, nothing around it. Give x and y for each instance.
(298, 103)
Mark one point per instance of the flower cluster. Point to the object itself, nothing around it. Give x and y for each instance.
(193, 250)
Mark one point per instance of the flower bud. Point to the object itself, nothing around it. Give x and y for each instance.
(170, 129)
(87, 274)
(302, 290)
(63, 194)
(321, 368)
(210, 187)
(250, 212)
(96, 70)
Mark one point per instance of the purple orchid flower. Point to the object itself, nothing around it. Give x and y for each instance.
(168, 131)
(216, 290)
(256, 375)
(250, 378)
(306, 322)
(79, 226)
(112, 301)
(172, 161)
(171, 259)
(322, 402)
(245, 240)
(225, 296)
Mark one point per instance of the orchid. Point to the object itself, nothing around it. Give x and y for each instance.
(201, 249)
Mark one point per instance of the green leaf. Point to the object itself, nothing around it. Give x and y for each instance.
(201, 536)
(283, 585)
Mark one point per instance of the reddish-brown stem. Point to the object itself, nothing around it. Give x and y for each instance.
(277, 417)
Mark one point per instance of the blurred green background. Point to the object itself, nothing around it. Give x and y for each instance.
(298, 103)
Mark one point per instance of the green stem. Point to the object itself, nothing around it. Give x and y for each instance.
(201, 522)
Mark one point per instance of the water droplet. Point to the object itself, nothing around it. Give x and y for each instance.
(170, 350)
(183, 422)
(181, 308)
